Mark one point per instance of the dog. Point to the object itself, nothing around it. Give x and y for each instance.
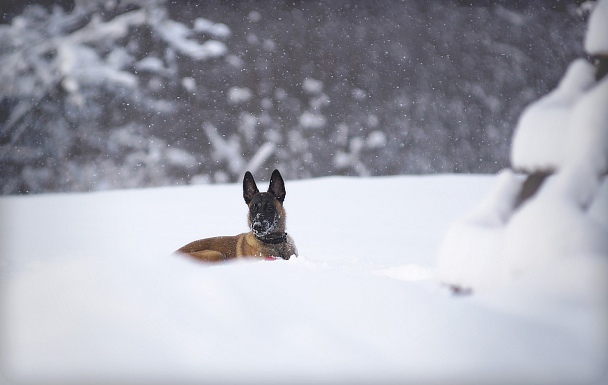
(267, 238)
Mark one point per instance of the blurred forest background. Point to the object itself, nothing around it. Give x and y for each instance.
(98, 95)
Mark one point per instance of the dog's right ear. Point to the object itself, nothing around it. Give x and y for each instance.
(277, 186)
(249, 187)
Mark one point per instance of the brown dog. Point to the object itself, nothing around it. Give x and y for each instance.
(266, 218)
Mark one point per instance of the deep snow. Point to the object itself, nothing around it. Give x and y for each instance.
(91, 292)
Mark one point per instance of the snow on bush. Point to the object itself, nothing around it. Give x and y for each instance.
(566, 133)
(312, 120)
(218, 30)
(229, 151)
(312, 86)
(168, 69)
(541, 140)
(178, 36)
(596, 41)
(350, 158)
(237, 95)
(69, 80)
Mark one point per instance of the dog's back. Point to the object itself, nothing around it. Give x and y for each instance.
(213, 249)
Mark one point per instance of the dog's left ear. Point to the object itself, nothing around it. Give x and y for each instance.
(277, 186)
(249, 187)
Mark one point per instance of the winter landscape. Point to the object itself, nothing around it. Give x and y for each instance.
(92, 294)
(497, 278)
(148, 93)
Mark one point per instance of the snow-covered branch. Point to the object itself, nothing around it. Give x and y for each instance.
(69, 78)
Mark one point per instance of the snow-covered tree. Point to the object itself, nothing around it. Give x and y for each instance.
(81, 92)
(551, 207)
(137, 93)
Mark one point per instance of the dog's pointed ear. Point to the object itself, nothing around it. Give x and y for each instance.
(277, 186)
(249, 187)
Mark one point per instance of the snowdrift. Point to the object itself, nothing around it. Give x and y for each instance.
(91, 293)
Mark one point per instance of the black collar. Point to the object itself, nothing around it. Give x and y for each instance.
(273, 239)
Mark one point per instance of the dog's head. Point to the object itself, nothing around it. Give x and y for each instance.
(266, 213)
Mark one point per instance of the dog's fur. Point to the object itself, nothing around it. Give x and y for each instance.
(266, 218)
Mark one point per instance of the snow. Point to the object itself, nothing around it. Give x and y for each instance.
(494, 244)
(565, 132)
(312, 86)
(596, 40)
(358, 94)
(237, 95)
(218, 30)
(151, 64)
(376, 139)
(228, 150)
(312, 120)
(555, 244)
(177, 35)
(91, 292)
(261, 156)
(179, 157)
(540, 141)
(352, 159)
(81, 64)
(189, 84)
(99, 29)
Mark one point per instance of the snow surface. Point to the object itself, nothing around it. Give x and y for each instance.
(91, 292)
